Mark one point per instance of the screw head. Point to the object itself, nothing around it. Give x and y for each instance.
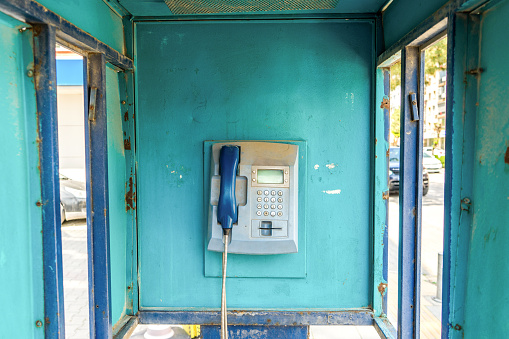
(38, 323)
(30, 73)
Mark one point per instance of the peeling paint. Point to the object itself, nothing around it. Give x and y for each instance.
(330, 166)
(130, 195)
(332, 191)
(316, 166)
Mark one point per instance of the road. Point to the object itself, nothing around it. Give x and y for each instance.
(432, 244)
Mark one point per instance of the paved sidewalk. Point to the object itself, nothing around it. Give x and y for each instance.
(74, 256)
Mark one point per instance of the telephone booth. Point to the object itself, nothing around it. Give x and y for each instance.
(299, 92)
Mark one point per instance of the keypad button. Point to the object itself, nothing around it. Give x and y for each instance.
(265, 213)
(259, 192)
(272, 206)
(265, 206)
(273, 213)
(266, 199)
(266, 192)
(279, 207)
(278, 200)
(259, 199)
(273, 192)
(280, 193)
(258, 212)
(259, 206)
(273, 199)
(280, 213)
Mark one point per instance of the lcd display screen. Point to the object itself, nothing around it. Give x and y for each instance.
(270, 176)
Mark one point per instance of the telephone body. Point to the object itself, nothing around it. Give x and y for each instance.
(266, 192)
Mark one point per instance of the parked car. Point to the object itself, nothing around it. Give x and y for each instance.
(435, 151)
(73, 199)
(394, 173)
(431, 163)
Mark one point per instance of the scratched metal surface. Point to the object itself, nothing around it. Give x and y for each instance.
(402, 16)
(116, 190)
(308, 80)
(21, 261)
(488, 253)
(94, 17)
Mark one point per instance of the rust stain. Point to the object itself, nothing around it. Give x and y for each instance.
(386, 104)
(126, 116)
(385, 195)
(269, 321)
(130, 196)
(506, 158)
(127, 144)
(387, 153)
(381, 288)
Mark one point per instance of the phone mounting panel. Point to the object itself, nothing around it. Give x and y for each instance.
(267, 193)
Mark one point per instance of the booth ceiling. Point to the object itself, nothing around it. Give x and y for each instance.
(163, 8)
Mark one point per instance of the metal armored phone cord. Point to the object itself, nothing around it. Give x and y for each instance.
(224, 316)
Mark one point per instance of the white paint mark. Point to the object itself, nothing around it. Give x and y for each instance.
(316, 166)
(332, 191)
(181, 176)
(172, 172)
(330, 166)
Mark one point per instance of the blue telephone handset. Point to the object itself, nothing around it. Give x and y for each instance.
(227, 205)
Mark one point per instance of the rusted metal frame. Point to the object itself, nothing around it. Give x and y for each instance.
(260, 332)
(268, 17)
(379, 184)
(96, 157)
(47, 140)
(410, 196)
(462, 90)
(70, 35)
(384, 328)
(359, 317)
(387, 127)
(127, 329)
(126, 89)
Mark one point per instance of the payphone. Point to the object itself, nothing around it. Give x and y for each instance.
(264, 216)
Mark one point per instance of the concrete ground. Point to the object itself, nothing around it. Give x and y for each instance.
(74, 257)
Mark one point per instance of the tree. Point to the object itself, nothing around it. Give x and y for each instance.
(435, 59)
(395, 117)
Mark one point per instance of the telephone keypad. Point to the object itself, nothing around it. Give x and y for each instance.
(272, 210)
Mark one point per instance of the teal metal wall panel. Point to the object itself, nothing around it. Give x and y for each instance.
(117, 212)
(487, 297)
(285, 80)
(21, 262)
(402, 16)
(92, 16)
